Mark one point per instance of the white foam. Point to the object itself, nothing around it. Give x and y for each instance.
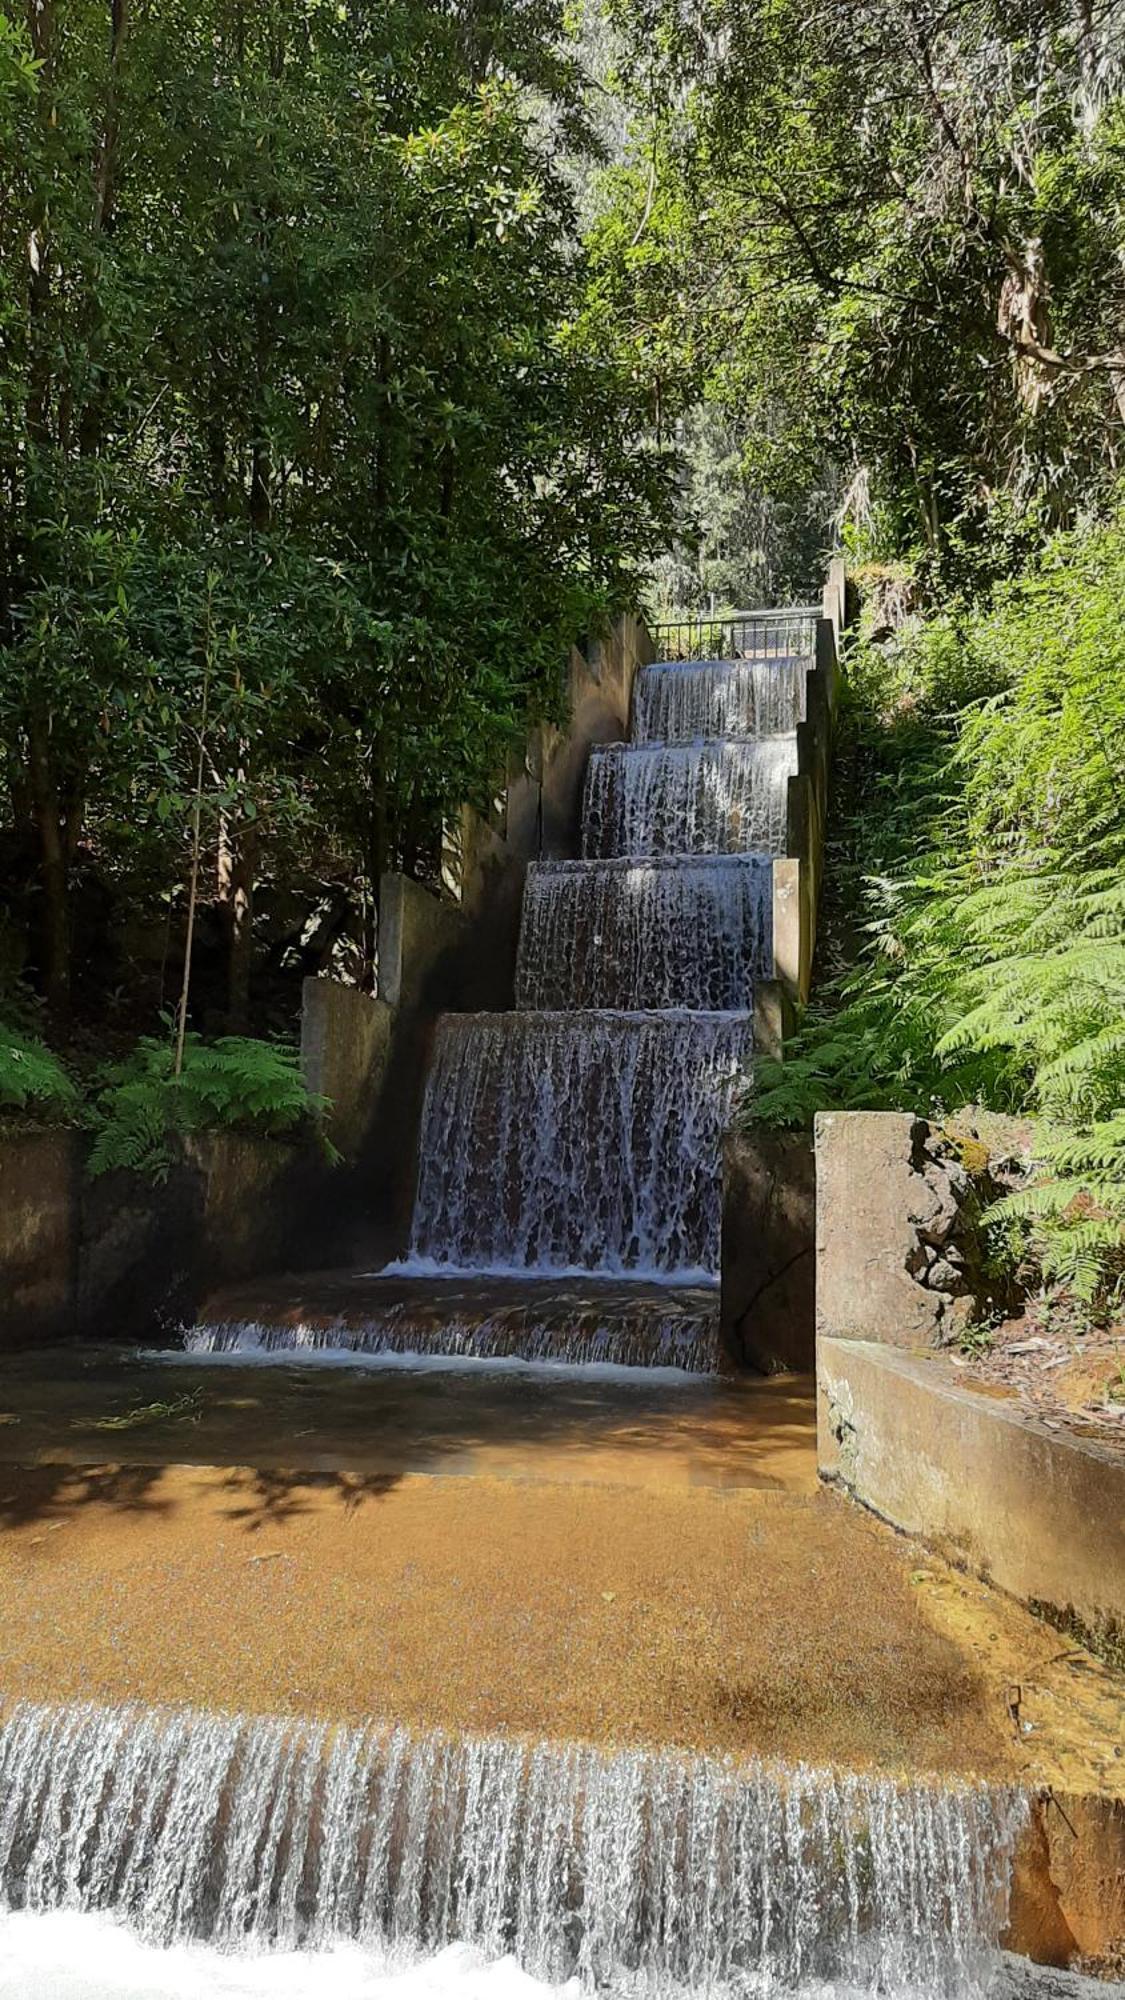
(71, 1955)
(389, 1362)
(689, 1276)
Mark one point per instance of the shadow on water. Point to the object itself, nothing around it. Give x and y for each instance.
(81, 1428)
(271, 1499)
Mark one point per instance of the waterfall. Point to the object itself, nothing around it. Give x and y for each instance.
(680, 1331)
(726, 797)
(582, 1132)
(644, 1871)
(576, 1141)
(687, 932)
(686, 704)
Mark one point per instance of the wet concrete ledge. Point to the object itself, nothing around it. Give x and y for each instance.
(1038, 1512)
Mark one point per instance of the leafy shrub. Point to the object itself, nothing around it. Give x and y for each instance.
(987, 828)
(33, 1082)
(142, 1112)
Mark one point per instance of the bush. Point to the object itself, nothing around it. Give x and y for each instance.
(142, 1111)
(987, 830)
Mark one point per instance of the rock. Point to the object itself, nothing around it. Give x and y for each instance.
(935, 1215)
(956, 1319)
(944, 1276)
(1020, 1979)
(919, 1257)
(868, 1187)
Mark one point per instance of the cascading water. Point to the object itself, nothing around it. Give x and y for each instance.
(691, 704)
(582, 1132)
(725, 797)
(598, 1326)
(576, 1141)
(634, 1871)
(690, 932)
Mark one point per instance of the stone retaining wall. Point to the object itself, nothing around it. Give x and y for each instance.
(1037, 1512)
(451, 953)
(38, 1241)
(895, 1241)
(768, 1264)
(797, 876)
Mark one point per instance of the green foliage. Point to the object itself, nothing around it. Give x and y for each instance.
(33, 1082)
(988, 836)
(885, 242)
(142, 1111)
(295, 402)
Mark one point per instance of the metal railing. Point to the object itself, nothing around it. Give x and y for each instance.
(785, 634)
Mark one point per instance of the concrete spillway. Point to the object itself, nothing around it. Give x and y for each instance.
(583, 1131)
(710, 698)
(723, 797)
(687, 932)
(630, 1871)
(580, 1134)
(576, 1141)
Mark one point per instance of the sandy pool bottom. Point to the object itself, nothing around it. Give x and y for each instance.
(744, 1621)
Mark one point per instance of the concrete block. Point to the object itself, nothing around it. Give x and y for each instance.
(768, 1241)
(867, 1187)
(250, 1211)
(345, 1047)
(545, 794)
(773, 1018)
(1040, 1513)
(787, 926)
(422, 938)
(38, 1234)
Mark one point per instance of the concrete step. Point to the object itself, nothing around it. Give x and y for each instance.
(566, 1321)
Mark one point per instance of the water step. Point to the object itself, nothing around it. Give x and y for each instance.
(633, 1870)
(576, 1141)
(686, 931)
(572, 1322)
(723, 797)
(683, 703)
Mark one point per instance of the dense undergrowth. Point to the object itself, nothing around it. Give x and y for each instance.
(981, 946)
(141, 1109)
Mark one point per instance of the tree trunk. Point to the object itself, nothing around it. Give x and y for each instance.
(41, 33)
(105, 192)
(54, 870)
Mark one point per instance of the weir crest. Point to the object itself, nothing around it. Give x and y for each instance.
(633, 1870)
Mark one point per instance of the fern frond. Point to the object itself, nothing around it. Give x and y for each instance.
(33, 1081)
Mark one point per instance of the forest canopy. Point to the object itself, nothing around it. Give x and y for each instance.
(307, 481)
(893, 233)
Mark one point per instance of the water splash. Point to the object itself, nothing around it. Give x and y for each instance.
(685, 932)
(623, 1334)
(728, 797)
(585, 1141)
(709, 698)
(647, 1871)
